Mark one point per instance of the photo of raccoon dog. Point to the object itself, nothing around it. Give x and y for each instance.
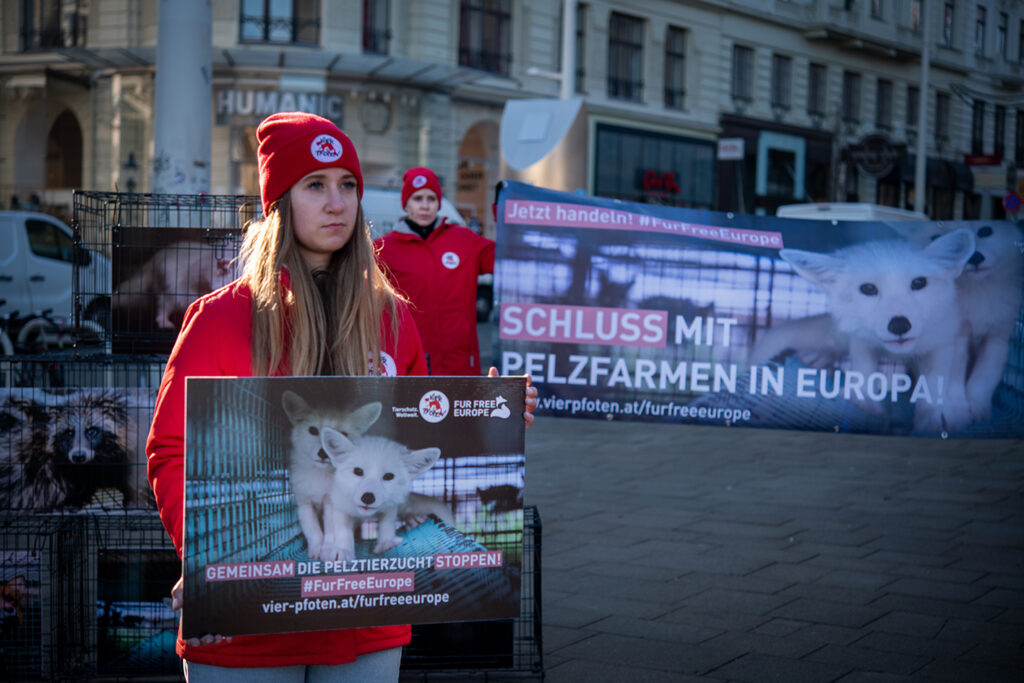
(59, 452)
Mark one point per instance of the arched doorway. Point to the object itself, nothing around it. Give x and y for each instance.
(64, 153)
(477, 174)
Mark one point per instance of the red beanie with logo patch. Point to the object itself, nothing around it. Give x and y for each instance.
(419, 178)
(292, 144)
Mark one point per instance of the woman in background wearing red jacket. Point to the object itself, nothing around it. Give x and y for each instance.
(435, 265)
(310, 301)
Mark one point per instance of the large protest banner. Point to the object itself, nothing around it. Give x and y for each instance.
(633, 311)
(332, 502)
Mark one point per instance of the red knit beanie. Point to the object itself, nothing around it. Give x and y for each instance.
(416, 179)
(294, 143)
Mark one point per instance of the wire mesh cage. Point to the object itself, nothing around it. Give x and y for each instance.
(86, 598)
(141, 259)
(85, 564)
(494, 650)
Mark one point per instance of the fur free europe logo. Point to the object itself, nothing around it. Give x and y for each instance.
(435, 406)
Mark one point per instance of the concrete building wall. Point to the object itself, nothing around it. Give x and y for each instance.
(401, 119)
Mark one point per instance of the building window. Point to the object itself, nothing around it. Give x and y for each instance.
(816, 87)
(1018, 139)
(979, 32)
(941, 117)
(883, 105)
(782, 69)
(851, 97)
(999, 132)
(742, 73)
(376, 26)
(581, 52)
(47, 24)
(978, 127)
(274, 21)
(876, 9)
(625, 57)
(675, 67)
(915, 15)
(947, 25)
(1020, 42)
(485, 35)
(1004, 22)
(913, 100)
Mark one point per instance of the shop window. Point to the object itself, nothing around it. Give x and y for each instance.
(781, 166)
(675, 67)
(852, 186)
(942, 203)
(883, 105)
(376, 26)
(851, 97)
(485, 29)
(1018, 139)
(64, 153)
(941, 117)
(280, 21)
(999, 131)
(888, 193)
(972, 206)
(49, 24)
(817, 86)
(782, 69)
(625, 57)
(652, 167)
(742, 73)
(978, 127)
(581, 51)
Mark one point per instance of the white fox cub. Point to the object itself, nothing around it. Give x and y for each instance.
(310, 469)
(373, 481)
(888, 299)
(988, 299)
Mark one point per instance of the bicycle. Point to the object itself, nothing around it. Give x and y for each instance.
(44, 332)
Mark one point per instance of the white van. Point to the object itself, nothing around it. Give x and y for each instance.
(848, 211)
(37, 259)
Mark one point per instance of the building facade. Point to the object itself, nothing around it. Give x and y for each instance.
(741, 105)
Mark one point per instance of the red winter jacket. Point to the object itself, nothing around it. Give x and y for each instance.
(214, 341)
(438, 275)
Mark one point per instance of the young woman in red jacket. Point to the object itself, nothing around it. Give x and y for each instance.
(310, 301)
(435, 265)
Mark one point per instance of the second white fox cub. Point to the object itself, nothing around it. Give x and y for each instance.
(373, 481)
(887, 299)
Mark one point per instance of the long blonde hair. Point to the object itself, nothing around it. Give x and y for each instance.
(291, 324)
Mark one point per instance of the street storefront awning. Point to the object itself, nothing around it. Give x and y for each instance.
(938, 172)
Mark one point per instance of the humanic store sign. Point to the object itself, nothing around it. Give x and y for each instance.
(245, 105)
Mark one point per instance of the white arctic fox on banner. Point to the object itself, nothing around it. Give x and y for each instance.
(988, 300)
(373, 481)
(889, 298)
